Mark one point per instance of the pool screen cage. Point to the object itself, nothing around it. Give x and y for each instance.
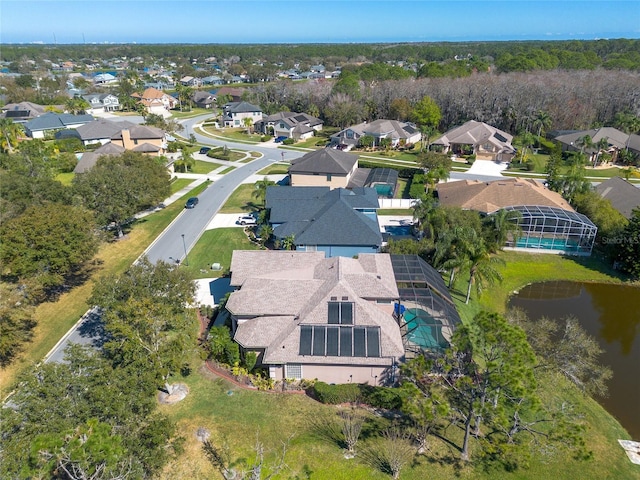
(384, 180)
(425, 311)
(553, 229)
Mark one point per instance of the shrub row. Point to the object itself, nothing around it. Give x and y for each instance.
(380, 397)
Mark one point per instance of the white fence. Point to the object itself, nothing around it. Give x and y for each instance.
(397, 202)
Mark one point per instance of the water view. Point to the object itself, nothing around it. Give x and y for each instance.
(611, 313)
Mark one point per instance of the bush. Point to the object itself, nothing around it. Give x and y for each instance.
(250, 359)
(265, 138)
(417, 188)
(336, 394)
(288, 141)
(471, 159)
(379, 397)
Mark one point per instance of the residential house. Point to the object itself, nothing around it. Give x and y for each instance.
(548, 224)
(47, 124)
(89, 159)
(338, 320)
(399, 133)
(623, 195)
(337, 222)
(298, 126)
(234, 93)
(104, 79)
(139, 138)
(235, 113)
(100, 130)
(22, 112)
(478, 138)
(189, 81)
(325, 167)
(156, 101)
(573, 141)
(203, 99)
(213, 80)
(102, 102)
(316, 318)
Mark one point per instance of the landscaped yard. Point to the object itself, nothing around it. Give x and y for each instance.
(217, 246)
(275, 169)
(179, 183)
(233, 134)
(203, 167)
(240, 200)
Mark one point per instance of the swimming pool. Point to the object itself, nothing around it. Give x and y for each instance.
(424, 330)
(547, 244)
(398, 230)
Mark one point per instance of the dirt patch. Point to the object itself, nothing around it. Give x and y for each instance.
(179, 391)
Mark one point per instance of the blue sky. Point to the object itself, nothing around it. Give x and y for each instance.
(302, 21)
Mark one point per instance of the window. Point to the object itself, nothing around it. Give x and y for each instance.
(329, 178)
(293, 371)
(340, 313)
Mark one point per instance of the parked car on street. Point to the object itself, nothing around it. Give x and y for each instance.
(191, 203)
(246, 220)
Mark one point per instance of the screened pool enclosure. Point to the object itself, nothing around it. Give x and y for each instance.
(425, 310)
(553, 230)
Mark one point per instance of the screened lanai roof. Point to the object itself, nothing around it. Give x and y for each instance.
(382, 175)
(552, 212)
(426, 310)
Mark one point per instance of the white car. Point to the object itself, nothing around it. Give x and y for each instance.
(246, 220)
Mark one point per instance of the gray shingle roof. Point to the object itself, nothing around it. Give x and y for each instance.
(324, 161)
(623, 195)
(52, 121)
(102, 128)
(331, 218)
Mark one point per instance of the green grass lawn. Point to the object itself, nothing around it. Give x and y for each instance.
(179, 183)
(240, 200)
(217, 246)
(194, 112)
(234, 134)
(203, 167)
(275, 169)
(227, 170)
(395, 211)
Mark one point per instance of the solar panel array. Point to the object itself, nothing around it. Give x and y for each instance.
(330, 341)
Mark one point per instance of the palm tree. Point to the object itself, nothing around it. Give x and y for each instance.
(600, 145)
(289, 242)
(76, 105)
(10, 133)
(247, 122)
(542, 121)
(527, 140)
(481, 265)
(585, 143)
(503, 224)
(260, 192)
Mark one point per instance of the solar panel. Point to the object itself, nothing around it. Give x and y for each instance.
(318, 340)
(359, 342)
(334, 312)
(305, 340)
(332, 341)
(346, 341)
(346, 313)
(373, 342)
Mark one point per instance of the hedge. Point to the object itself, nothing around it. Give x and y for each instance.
(380, 397)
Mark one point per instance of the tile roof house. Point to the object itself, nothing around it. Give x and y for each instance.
(335, 222)
(326, 167)
(298, 126)
(49, 123)
(548, 224)
(400, 133)
(623, 195)
(487, 142)
(308, 316)
(489, 197)
(156, 101)
(234, 114)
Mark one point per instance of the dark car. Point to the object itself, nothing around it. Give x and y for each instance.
(205, 150)
(280, 139)
(192, 202)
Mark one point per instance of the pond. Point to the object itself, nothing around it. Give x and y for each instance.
(611, 313)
